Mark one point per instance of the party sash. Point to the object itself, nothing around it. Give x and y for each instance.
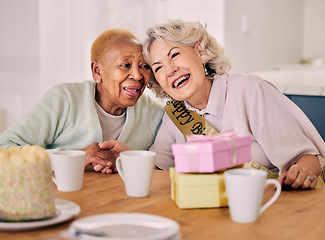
(187, 121)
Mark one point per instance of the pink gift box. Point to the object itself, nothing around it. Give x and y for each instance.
(206, 154)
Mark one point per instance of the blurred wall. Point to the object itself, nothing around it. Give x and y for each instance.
(19, 58)
(45, 42)
(262, 33)
(313, 38)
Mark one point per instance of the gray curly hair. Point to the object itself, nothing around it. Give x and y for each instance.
(187, 33)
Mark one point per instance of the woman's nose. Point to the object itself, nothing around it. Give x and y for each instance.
(171, 69)
(136, 73)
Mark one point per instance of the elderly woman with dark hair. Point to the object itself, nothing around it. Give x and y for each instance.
(80, 115)
(191, 68)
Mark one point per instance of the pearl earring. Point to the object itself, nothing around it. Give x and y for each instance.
(206, 71)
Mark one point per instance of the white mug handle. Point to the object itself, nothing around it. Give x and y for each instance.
(119, 167)
(275, 195)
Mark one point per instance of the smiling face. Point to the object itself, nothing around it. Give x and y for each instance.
(179, 71)
(121, 75)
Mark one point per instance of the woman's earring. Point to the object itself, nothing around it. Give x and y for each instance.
(206, 70)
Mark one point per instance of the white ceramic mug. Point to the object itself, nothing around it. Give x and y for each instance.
(245, 190)
(136, 168)
(68, 167)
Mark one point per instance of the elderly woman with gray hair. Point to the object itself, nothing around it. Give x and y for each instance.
(191, 68)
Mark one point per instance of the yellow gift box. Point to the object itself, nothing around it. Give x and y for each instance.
(198, 190)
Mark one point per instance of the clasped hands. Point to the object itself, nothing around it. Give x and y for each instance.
(102, 156)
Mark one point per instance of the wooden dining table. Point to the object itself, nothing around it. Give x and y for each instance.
(295, 215)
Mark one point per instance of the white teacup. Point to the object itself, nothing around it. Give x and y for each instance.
(136, 168)
(68, 167)
(245, 190)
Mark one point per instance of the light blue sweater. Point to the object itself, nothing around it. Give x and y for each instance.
(66, 118)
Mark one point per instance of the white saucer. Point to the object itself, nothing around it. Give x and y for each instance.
(65, 211)
(126, 226)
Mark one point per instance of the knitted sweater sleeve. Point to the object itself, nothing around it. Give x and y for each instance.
(42, 124)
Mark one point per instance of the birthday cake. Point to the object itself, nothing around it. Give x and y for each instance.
(26, 188)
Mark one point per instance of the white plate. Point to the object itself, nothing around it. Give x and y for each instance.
(65, 211)
(126, 226)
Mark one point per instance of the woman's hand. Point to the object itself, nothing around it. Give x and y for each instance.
(303, 174)
(298, 177)
(116, 147)
(101, 160)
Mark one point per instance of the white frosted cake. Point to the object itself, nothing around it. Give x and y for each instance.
(26, 188)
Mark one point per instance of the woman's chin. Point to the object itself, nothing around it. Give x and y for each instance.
(130, 102)
(178, 97)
